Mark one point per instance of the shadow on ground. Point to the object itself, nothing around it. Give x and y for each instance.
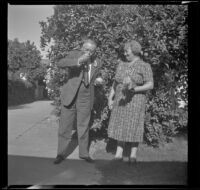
(143, 173)
(18, 107)
(23, 170)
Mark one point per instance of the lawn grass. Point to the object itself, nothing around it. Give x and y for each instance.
(177, 150)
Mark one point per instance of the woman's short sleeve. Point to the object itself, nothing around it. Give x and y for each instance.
(147, 73)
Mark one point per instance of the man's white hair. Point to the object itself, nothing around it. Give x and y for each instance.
(90, 42)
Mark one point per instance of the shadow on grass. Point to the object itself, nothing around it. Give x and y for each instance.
(142, 173)
(24, 170)
(24, 105)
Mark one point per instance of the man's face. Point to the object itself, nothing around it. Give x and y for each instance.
(88, 48)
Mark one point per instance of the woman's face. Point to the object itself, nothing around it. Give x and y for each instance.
(128, 53)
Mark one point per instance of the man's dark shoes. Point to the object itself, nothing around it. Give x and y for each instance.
(58, 159)
(117, 158)
(87, 159)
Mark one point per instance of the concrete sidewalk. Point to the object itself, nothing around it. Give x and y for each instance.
(32, 130)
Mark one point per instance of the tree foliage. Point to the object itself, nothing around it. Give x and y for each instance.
(25, 59)
(162, 32)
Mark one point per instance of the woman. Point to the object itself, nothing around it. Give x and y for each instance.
(132, 80)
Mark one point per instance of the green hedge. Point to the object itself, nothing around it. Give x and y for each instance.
(20, 92)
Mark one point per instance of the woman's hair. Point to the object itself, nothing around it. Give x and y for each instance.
(135, 47)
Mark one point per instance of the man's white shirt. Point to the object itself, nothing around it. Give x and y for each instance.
(89, 72)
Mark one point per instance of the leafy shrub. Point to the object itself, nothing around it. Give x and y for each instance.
(162, 32)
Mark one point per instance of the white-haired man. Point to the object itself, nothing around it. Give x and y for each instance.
(77, 97)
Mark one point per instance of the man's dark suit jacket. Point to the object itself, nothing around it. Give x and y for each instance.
(70, 89)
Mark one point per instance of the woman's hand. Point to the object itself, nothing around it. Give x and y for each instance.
(98, 81)
(127, 81)
(110, 98)
(110, 103)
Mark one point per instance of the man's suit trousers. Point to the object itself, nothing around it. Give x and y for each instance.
(78, 114)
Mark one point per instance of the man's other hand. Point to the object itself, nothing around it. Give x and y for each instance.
(83, 58)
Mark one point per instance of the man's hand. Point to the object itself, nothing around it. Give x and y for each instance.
(83, 58)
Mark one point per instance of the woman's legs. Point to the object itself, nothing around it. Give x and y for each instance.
(130, 147)
(134, 147)
(119, 151)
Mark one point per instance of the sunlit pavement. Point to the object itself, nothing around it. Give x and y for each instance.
(32, 130)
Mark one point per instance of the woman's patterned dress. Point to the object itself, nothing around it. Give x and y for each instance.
(127, 116)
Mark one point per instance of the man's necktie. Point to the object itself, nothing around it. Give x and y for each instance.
(85, 75)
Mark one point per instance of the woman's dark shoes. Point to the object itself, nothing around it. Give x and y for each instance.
(132, 160)
(87, 159)
(58, 159)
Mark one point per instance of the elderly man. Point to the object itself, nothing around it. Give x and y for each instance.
(77, 97)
